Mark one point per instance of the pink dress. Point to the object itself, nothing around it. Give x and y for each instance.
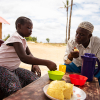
(8, 57)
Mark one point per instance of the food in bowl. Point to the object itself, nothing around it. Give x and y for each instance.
(77, 79)
(60, 90)
(55, 75)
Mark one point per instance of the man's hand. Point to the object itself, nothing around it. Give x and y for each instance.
(73, 54)
(36, 70)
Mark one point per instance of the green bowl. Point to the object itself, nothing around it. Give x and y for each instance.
(55, 75)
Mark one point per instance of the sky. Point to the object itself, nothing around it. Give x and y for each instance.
(49, 20)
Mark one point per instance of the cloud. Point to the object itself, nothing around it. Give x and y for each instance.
(49, 20)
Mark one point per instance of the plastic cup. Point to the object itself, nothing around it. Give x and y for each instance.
(62, 68)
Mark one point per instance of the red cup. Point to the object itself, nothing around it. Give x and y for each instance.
(78, 79)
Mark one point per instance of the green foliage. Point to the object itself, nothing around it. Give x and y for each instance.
(6, 37)
(31, 38)
(48, 40)
(27, 38)
(67, 2)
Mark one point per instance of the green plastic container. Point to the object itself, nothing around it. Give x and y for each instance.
(55, 75)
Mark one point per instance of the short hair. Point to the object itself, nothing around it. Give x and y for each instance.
(87, 25)
(22, 20)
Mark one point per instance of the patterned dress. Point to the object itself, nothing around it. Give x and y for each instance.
(12, 81)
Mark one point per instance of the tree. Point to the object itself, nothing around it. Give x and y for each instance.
(48, 40)
(70, 20)
(66, 6)
(68, 26)
(34, 39)
(31, 38)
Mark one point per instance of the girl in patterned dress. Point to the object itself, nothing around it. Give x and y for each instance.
(12, 52)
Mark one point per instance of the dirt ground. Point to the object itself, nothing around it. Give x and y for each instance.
(53, 52)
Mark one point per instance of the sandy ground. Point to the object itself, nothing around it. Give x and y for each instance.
(51, 52)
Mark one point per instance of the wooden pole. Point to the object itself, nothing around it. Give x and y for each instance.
(0, 30)
(70, 20)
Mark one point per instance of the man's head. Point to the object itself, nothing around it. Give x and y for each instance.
(24, 26)
(84, 33)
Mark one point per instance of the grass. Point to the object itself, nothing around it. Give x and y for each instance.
(56, 44)
(52, 44)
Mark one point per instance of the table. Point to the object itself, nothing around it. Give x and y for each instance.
(90, 88)
(34, 91)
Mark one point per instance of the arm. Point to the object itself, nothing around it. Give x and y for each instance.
(34, 68)
(29, 59)
(28, 51)
(70, 53)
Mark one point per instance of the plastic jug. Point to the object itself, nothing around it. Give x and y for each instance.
(88, 65)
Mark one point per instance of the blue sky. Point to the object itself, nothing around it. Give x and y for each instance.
(49, 20)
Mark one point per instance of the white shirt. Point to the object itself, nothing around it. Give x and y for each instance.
(93, 47)
(8, 56)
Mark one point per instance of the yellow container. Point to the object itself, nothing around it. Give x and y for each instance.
(62, 68)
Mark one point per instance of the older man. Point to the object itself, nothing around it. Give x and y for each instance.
(85, 42)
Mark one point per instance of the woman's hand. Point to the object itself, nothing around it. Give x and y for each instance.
(36, 70)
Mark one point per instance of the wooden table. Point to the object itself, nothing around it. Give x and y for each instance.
(34, 91)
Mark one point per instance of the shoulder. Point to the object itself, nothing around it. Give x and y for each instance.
(72, 40)
(15, 38)
(71, 43)
(95, 40)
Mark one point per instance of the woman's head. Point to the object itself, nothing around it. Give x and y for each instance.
(84, 33)
(24, 26)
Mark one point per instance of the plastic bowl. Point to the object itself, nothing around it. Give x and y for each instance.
(77, 79)
(55, 75)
